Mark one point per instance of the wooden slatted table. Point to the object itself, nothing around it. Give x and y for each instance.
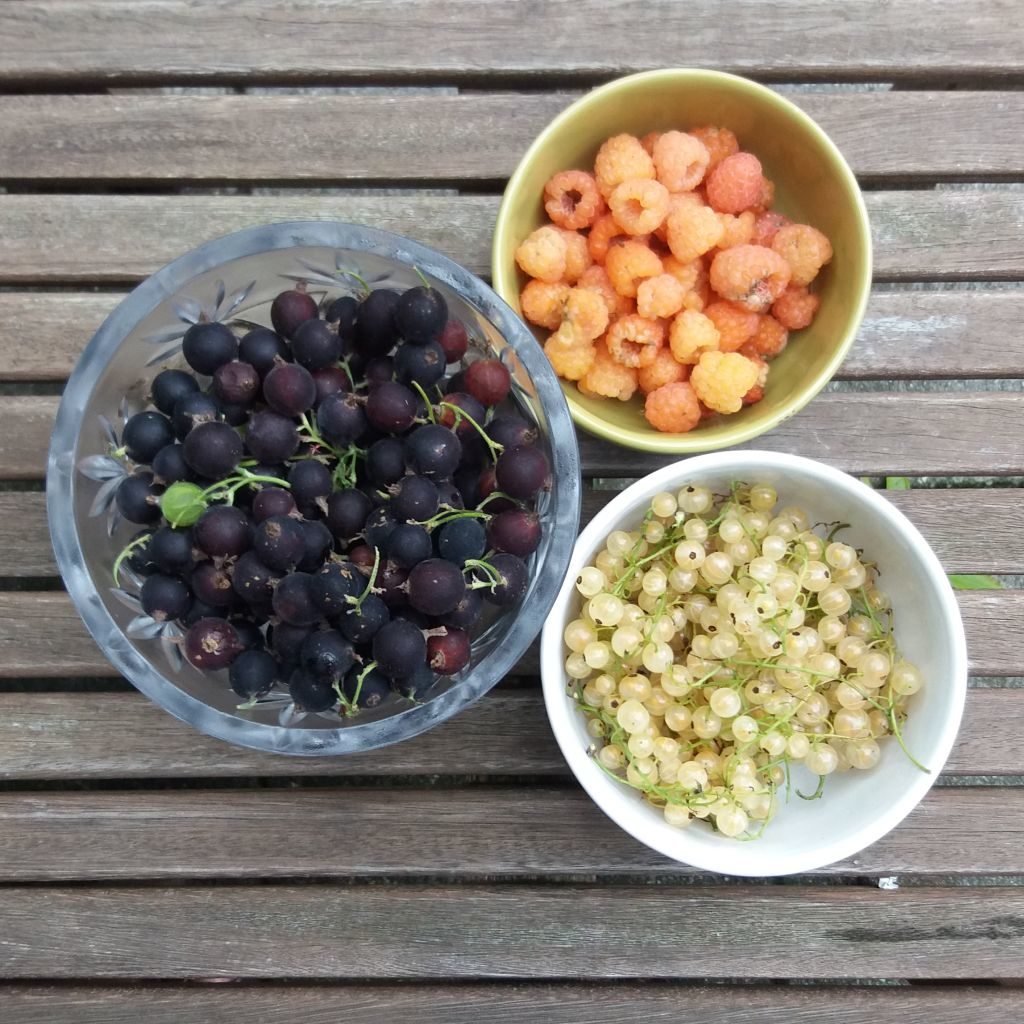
(463, 876)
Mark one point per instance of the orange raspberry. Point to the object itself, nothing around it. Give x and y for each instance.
(577, 255)
(675, 201)
(542, 254)
(721, 379)
(587, 313)
(541, 303)
(605, 233)
(660, 296)
(735, 325)
(735, 184)
(649, 140)
(756, 393)
(680, 161)
(628, 264)
(805, 249)
(795, 308)
(673, 408)
(621, 158)
(665, 369)
(596, 279)
(719, 142)
(766, 227)
(692, 231)
(767, 196)
(634, 340)
(750, 275)
(608, 379)
(692, 334)
(736, 230)
(570, 362)
(689, 275)
(770, 337)
(639, 205)
(572, 200)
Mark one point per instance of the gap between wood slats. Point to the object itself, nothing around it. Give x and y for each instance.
(596, 1003)
(459, 834)
(959, 433)
(516, 931)
(945, 234)
(933, 334)
(246, 41)
(971, 529)
(140, 138)
(42, 635)
(67, 737)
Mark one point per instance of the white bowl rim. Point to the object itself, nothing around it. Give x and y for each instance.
(743, 858)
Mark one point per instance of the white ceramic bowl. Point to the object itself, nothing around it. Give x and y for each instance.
(858, 807)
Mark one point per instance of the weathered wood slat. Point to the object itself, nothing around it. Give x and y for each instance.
(906, 333)
(464, 833)
(433, 932)
(505, 1004)
(996, 546)
(934, 235)
(902, 134)
(952, 433)
(182, 40)
(59, 736)
(29, 622)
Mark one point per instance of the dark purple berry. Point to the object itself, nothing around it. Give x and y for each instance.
(293, 600)
(414, 498)
(408, 545)
(310, 482)
(341, 419)
(360, 624)
(416, 686)
(169, 465)
(262, 349)
(522, 472)
(399, 649)
(212, 643)
(213, 450)
(343, 312)
(318, 543)
(236, 384)
(512, 577)
(286, 641)
(433, 450)
(315, 345)
(448, 653)
(164, 597)
(435, 586)
(253, 581)
(289, 389)
(291, 309)
(272, 501)
(488, 381)
(334, 584)
(141, 560)
(271, 437)
(511, 431)
(192, 410)
(212, 585)
(391, 407)
(423, 364)
(250, 634)
(421, 314)
(461, 539)
(375, 331)
(347, 512)
(461, 424)
(145, 434)
(279, 543)
(326, 654)
(310, 692)
(385, 461)
(516, 531)
(254, 673)
(366, 689)
(199, 610)
(207, 346)
(138, 498)
(379, 526)
(379, 370)
(467, 612)
(391, 580)
(222, 531)
(454, 340)
(330, 380)
(171, 550)
(170, 385)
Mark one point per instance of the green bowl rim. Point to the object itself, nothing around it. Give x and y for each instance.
(691, 443)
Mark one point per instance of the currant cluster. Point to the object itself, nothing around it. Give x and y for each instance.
(326, 507)
(725, 640)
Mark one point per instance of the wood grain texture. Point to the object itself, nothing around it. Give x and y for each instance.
(516, 931)
(61, 736)
(50, 41)
(944, 234)
(595, 1003)
(459, 834)
(901, 134)
(29, 622)
(940, 434)
(934, 333)
(25, 549)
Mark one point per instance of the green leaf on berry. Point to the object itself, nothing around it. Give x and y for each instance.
(183, 503)
(974, 582)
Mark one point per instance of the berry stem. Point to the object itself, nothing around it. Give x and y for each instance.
(460, 415)
(426, 400)
(449, 515)
(422, 277)
(357, 602)
(495, 578)
(126, 552)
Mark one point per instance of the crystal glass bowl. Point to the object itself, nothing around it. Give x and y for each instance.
(235, 278)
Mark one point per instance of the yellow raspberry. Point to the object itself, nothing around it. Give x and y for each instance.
(649, 140)
(673, 408)
(749, 275)
(805, 249)
(721, 379)
(665, 369)
(542, 303)
(692, 276)
(770, 338)
(628, 264)
(691, 335)
(577, 256)
(680, 161)
(659, 297)
(735, 324)
(542, 254)
(719, 142)
(639, 205)
(621, 158)
(676, 201)
(736, 230)
(596, 279)
(586, 311)
(570, 362)
(607, 378)
(692, 231)
(634, 341)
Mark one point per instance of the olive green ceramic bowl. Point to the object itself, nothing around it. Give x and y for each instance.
(813, 184)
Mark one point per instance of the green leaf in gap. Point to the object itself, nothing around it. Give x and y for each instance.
(897, 483)
(974, 582)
